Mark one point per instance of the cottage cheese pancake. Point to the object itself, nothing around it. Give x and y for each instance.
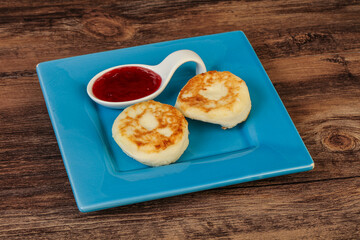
(215, 97)
(152, 133)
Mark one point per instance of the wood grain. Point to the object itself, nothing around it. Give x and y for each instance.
(36, 32)
(311, 52)
(322, 209)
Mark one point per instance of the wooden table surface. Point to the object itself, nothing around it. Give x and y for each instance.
(311, 52)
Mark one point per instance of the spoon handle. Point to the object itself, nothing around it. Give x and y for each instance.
(174, 60)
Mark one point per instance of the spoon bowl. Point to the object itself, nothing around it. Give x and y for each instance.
(165, 70)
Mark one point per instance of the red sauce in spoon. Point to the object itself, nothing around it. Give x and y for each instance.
(126, 84)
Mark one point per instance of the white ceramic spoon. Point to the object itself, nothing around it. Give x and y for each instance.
(165, 69)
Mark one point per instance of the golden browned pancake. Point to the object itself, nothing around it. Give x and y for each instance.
(152, 133)
(215, 97)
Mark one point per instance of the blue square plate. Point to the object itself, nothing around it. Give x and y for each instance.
(102, 176)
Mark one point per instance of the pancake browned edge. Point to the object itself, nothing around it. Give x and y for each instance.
(152, 133)
(215, 97)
